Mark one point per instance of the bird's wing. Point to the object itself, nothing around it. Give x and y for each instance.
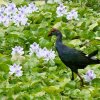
(73, 56)
(77, 52)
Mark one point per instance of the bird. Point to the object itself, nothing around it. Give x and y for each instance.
(72, 58)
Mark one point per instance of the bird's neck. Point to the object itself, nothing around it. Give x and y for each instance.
(59, 38)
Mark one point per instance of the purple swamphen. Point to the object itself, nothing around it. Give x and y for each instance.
(72, 58)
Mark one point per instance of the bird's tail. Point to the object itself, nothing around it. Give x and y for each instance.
(93, 57)
(93, 53)
(96, 61)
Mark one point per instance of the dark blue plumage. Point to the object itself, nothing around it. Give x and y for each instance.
(72, 58)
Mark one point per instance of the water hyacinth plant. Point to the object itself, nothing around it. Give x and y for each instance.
(42, 53)
(30, 68)
(62, 10)
(18, 16)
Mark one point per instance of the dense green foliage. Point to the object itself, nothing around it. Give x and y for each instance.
(50, 80)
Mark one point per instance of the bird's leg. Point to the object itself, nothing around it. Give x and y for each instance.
(72, 76)
(80, 78)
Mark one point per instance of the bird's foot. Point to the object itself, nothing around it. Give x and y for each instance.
(82, 83)
(72, 78)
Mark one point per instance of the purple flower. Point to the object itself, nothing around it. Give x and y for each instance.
(61, 10)
(90, 75)
(18, 73)
(32, 7)
(34, 48)
(42, 53)
(15, 69)
(23, 10)
(18, 16)
(10, 9)
(72, 15)
(17, 50)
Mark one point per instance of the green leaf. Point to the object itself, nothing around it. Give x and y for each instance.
(96, 82)
(53, 68)
(43, 42)
(71, 84)
(75, 42)
(57, 25)
(4, 67)
(39, 94)
(3, 2)
(17, 1)
(91, 27)
(52, 89)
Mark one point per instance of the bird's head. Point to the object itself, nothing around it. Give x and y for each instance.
(54, 31)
